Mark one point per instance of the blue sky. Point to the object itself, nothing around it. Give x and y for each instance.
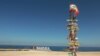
(43, 22)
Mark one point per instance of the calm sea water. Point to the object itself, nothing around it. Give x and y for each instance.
(54, 48)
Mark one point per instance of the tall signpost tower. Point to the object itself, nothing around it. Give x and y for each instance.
(73, 28)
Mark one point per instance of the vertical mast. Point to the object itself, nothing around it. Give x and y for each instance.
(73, 28)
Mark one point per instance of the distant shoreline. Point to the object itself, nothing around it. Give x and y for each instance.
(39, 50)
(52, 48)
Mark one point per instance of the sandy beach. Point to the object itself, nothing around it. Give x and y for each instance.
(44, 53)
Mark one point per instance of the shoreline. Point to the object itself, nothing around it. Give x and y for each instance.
(9, 49)
(37, 50)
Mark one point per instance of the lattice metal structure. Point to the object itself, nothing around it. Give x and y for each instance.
(73, 28)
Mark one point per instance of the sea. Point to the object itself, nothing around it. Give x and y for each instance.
(53, 48)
